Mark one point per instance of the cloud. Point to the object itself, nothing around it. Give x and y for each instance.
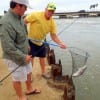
(62, 5)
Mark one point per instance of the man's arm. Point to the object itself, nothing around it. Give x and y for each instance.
(58, 41)
(25, 21)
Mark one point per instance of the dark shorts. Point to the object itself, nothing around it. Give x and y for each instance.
(37, 51)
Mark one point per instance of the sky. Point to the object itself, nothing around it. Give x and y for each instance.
(61, 5)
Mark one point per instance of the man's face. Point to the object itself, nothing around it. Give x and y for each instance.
(49, 13)
(22, 9)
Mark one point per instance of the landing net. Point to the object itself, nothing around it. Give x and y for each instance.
(79, 60)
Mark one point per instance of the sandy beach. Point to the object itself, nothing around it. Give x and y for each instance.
(7, 92)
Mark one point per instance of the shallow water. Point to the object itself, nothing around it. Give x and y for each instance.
(83, 33)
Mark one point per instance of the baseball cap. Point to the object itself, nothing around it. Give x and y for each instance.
(51, 6)
(24, 2)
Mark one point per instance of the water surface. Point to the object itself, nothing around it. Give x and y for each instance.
(83, 33)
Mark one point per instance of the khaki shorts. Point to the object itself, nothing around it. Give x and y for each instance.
(19, 74)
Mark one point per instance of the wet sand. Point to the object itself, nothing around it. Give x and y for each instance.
(47, 93)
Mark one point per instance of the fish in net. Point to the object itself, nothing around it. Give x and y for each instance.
(79, 60)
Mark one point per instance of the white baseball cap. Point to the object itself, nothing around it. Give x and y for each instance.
(24, 2)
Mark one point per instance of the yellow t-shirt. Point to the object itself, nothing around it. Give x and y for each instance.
(39, 26)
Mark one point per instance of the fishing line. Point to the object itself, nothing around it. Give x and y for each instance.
(66, 27)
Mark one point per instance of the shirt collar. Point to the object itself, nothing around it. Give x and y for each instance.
(15, 15)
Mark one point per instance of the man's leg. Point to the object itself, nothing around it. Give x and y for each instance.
(32, 61)
(30, 90)
(28, 83)
(16, 81)
(44, 74)
(18, 89)
(42, 64)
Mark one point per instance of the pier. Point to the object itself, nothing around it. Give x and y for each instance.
(81, 13)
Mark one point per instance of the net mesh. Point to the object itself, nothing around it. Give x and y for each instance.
(79, 59)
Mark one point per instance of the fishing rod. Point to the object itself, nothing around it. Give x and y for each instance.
(66, 27)
(72, 50)
(39, 50)
(57, 34)
(5, 77)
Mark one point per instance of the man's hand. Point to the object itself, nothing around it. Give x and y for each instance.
(28, 58)
(63, 46)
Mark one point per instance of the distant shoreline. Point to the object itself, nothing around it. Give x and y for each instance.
(78, 14)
